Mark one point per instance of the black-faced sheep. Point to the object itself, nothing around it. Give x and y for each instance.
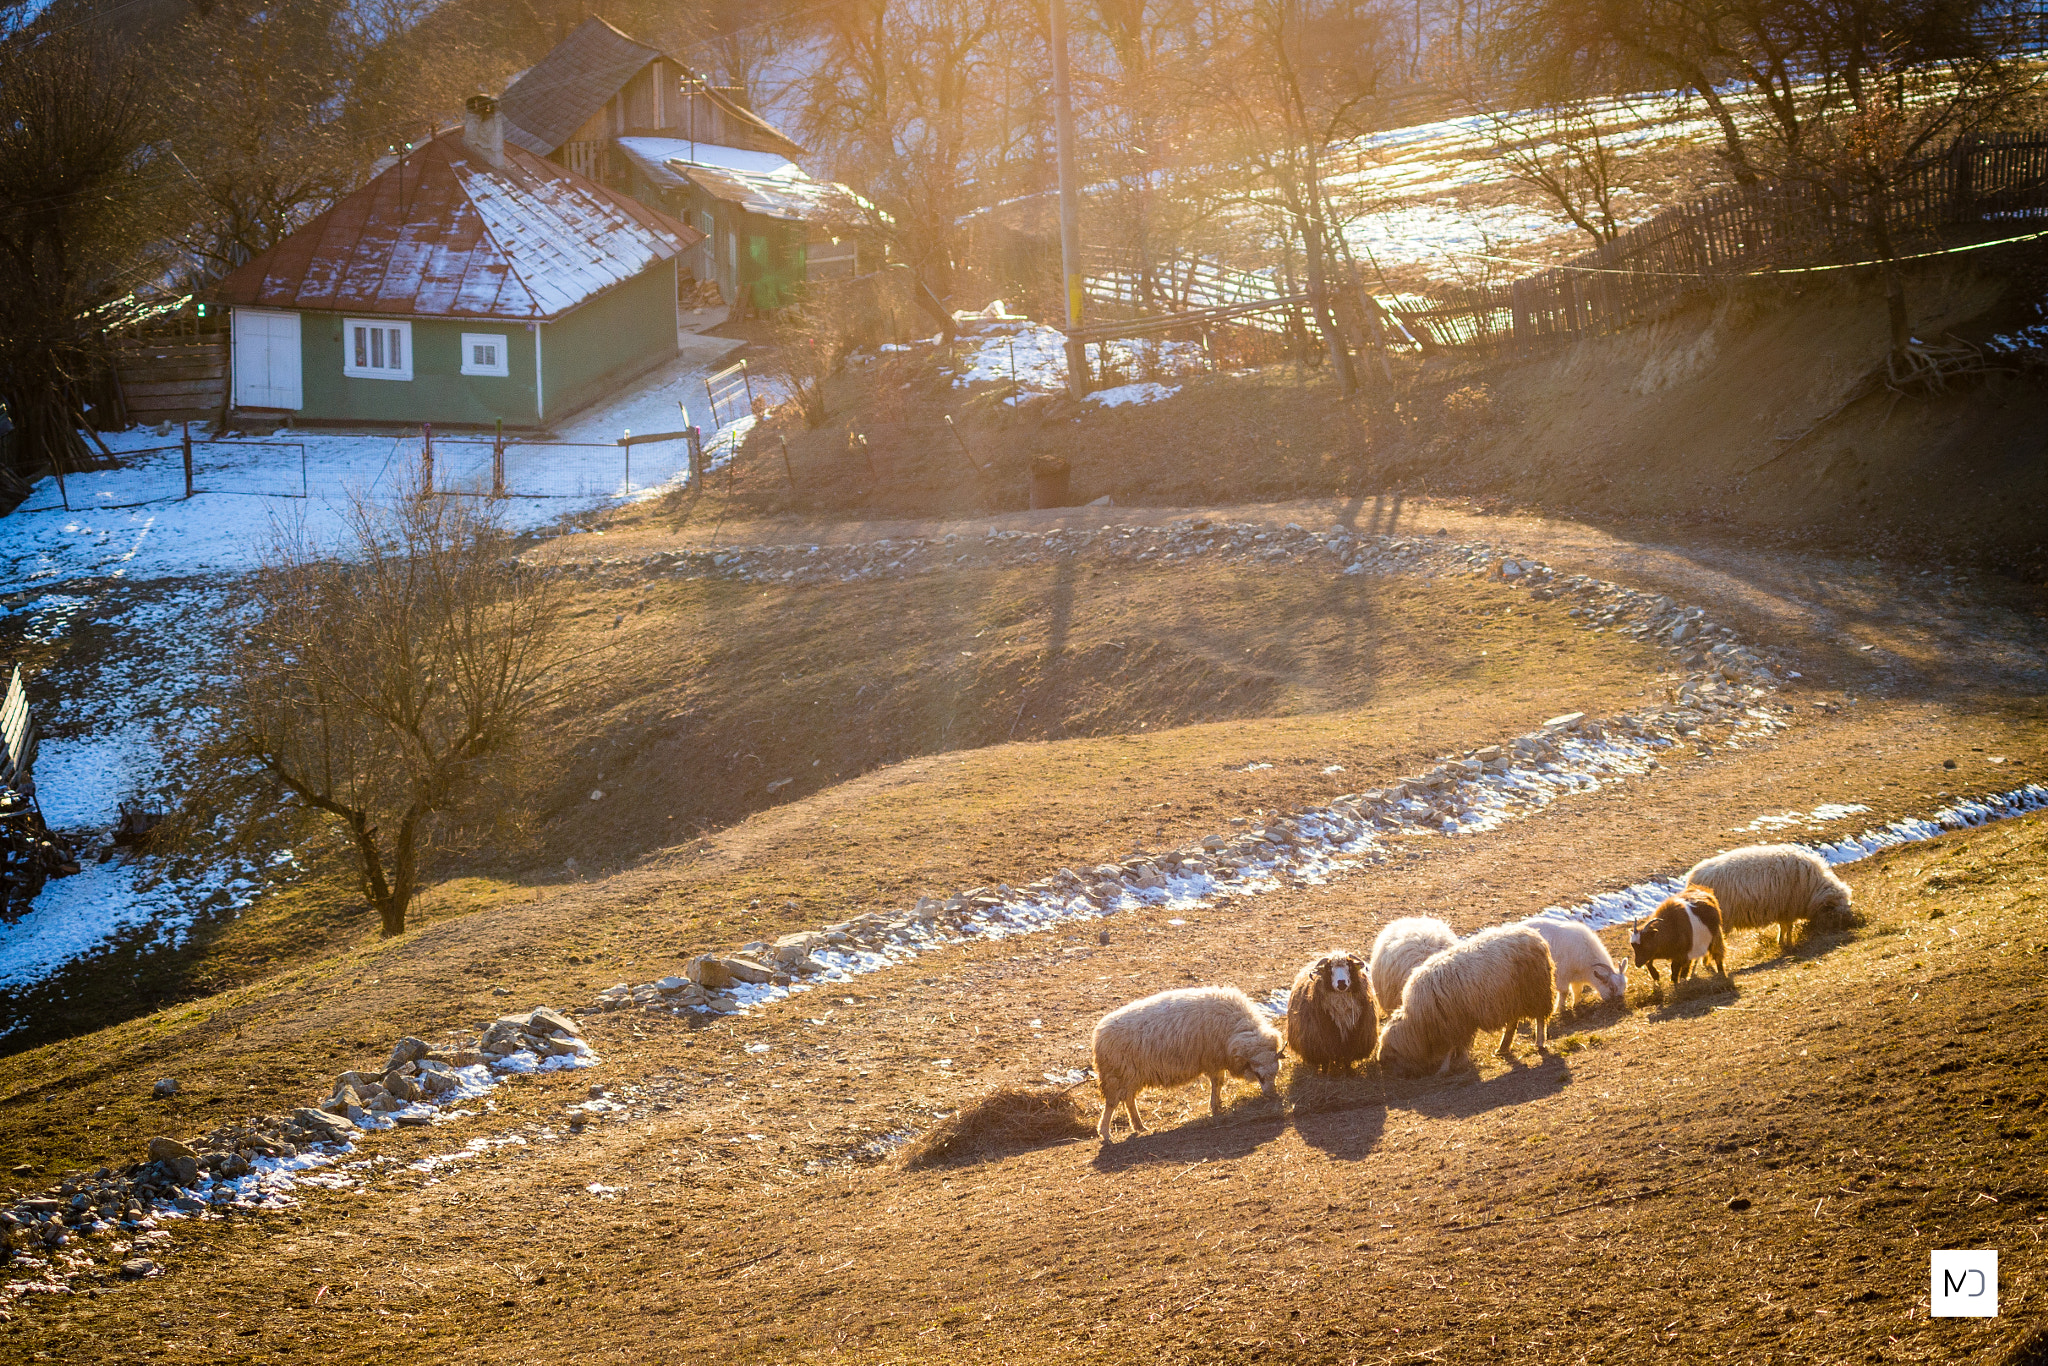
(1493, 980)
(1682, 930)
(1762, 885)
(1176, 1036)
(1330, 1019)
(1399, 950)
(1579, 959)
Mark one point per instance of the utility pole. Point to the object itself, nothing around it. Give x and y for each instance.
(1070, 201)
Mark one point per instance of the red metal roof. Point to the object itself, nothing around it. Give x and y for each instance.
(444, 234)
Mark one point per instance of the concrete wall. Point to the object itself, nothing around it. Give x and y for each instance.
(438, 390)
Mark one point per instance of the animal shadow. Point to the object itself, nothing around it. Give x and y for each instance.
(1461, 1096)
(1239, 1131)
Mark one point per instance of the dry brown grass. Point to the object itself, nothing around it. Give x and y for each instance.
(1009, 1119)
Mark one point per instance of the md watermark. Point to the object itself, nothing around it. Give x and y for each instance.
(1965, 1285)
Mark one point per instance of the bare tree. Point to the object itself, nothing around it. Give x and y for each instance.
(80, 191)
(1560, 152)
(388, 681)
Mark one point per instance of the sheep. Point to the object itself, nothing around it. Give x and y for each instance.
(1176, 1036)
(1330, 1018)
(1579, 959)
(1493, 980)
(1399, 949)
(1683, 929)
(1761, 885)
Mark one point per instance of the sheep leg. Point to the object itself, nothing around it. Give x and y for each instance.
(1542, 1037)
(1109, 1104)
(1507, 1041)
(1215, 1094)
(1131, 1109)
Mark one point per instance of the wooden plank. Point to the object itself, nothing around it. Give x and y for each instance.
(177, 388)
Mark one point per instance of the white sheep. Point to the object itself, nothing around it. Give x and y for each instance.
(1761, 885)
(1399, 950)
(1493, 980)
(1579, 959)
(1176, 1036)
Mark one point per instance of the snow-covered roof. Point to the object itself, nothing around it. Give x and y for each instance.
(758, 182)
(444, 234)
(658, 152)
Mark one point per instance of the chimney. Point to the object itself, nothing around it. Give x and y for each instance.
(483, 128)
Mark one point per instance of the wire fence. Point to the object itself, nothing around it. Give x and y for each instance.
(250, 468)
(546, 469)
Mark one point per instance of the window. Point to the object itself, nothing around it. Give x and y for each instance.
(376, 350)
(483, 353)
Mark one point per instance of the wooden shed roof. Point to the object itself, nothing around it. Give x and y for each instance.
(444, 234)
(559, 93)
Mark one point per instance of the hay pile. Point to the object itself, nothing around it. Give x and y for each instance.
(1008, 1119)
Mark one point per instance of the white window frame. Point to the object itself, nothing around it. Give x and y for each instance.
(470, 365)
(369, 371)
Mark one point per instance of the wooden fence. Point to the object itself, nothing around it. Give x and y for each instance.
(171, 379)
(1981, 187)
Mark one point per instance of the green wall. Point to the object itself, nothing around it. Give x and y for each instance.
(608, 340)
(438, 390)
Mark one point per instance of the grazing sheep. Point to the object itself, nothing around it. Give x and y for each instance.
(1399, 950)
(1684, 929)
(1330, 1019)
(1579, 959)
(1493, 980)
(1762, 885)
(1176, 1036)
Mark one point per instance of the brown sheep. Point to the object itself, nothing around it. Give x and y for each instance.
(1176, 1036)
(1684, 929)
(1330, 1020)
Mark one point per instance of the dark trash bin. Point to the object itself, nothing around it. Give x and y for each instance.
(1050, 476)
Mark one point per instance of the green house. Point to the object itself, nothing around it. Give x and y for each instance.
(469, 283)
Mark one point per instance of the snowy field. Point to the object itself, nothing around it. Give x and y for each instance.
(149, 572)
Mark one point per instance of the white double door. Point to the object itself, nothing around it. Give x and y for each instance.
(267, 366)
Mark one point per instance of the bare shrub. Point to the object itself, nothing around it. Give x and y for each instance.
(387, 681)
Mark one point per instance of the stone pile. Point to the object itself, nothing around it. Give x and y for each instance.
(1730, 684)
(247, 1166)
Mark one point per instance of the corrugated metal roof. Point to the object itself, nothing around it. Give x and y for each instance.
(444, 234)
(562, 90)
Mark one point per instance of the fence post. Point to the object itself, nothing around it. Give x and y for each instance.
(787, 473)
(498, 461)
(426, 458)
(186, 443)
(696, 439)
(626, 450)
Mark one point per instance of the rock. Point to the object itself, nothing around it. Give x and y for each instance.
(1565, 722)
(187, 1169)
(1105, 501)
(501, 991)
(547, 1020)
(710, 973)
(168, 1150)
(407, 1049)
(167, 1087)
(325, 1128)
(135, 1268)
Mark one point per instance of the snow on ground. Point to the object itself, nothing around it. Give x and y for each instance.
(1000, 347)
(110, 714)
